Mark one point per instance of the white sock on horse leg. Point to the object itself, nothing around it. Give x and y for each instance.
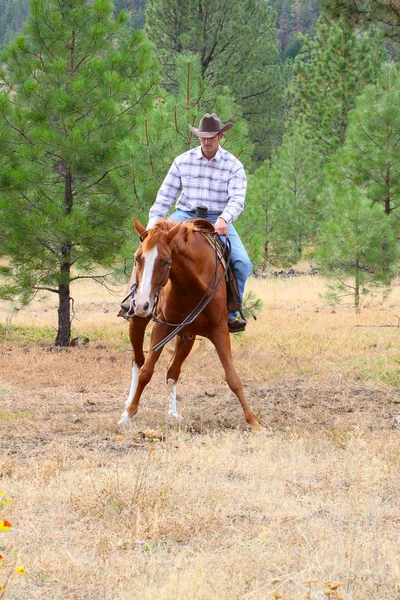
(135, 374)
(172, 400)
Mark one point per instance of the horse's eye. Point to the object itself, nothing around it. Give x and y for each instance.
(165, 263)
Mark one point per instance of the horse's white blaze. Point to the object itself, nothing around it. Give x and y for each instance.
(172, 401)
(135, 375)
(143, 293)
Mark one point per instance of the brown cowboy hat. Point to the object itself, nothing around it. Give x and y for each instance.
(210, 125)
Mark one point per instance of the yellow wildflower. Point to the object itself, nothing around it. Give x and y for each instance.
(20, 570)
(4, 499)
(5, 525)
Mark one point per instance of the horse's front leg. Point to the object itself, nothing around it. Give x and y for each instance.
(144, 374)
(221, 340)
(137, 329)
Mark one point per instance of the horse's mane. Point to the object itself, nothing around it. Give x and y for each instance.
(153, 235)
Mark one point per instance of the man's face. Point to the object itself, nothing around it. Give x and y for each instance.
(209, 146)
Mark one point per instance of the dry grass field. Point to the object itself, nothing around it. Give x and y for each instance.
(199, 508)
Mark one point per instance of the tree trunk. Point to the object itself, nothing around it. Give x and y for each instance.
(300, 246)
(64, 308)
(266, 253)
(266, 242)
(389, 195)
(357, 288)
(64, 316)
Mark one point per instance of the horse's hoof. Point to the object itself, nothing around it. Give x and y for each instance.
(258, 429)
(125, 419)
(174, 414)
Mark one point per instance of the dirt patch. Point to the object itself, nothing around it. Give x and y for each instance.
(77, 395)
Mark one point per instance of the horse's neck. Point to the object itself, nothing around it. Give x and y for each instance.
(192, 269)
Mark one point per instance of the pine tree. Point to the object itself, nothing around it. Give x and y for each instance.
(294, 180)
(238, 49)
(282, 216)
(330, 72)
(358, 249)
(371, 154)
(162, 132)
(385, 13)
(71, 88)
(256, 222)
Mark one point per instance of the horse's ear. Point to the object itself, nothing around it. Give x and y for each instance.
(138, 226)
(142, 231)
(172, 232)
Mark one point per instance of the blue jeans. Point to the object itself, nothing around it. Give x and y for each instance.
(240, 261)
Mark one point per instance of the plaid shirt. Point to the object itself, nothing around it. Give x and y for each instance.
(219, 183)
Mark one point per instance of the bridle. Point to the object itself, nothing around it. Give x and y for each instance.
(133, 289)
(213, 284)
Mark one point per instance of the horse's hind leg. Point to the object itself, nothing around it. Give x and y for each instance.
(144, 375)
(182, 349)
(222, 343)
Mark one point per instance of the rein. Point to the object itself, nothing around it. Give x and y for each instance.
(214, 284)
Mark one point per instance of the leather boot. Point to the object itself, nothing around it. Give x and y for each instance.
(236, 325)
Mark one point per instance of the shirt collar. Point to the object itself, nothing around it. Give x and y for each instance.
(217, 157)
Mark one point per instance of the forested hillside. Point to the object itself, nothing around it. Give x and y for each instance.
(14, 12)
(136, 10)
(12, 17)
(293, 16)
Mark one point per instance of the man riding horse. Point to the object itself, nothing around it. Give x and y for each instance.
(212, 177)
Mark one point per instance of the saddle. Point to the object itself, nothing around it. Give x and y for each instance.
(206, 228)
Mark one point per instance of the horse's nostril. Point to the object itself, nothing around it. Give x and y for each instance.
(146, 306)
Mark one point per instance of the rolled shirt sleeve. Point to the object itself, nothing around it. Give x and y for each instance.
(236, 195)
(167, 194)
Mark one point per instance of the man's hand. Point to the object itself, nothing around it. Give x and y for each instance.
(221, 227)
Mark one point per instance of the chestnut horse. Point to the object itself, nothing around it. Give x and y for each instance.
(174, 267)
